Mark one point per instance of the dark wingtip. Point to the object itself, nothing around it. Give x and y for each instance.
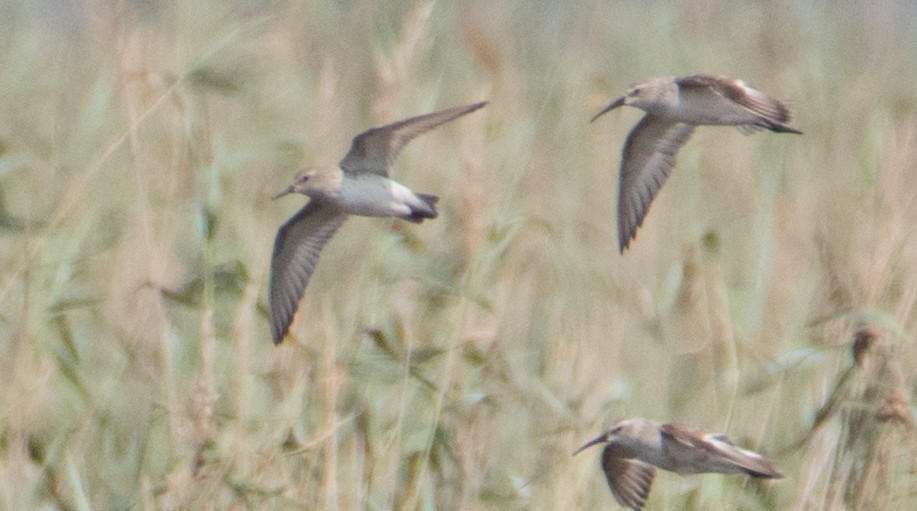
(787, 129)
(777, 127)
(765, 475)
(472, 107)
(770, 474)
(278, 333)
(624, 243)
(763, 470)
(280, 322)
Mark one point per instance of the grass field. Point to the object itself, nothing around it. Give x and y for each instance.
(455, 364)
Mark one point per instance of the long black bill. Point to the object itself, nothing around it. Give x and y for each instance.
(614, 104)
(285, 192)
(597, 440)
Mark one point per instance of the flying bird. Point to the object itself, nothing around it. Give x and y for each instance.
(358, 185)
(674, 107)
(635, 447)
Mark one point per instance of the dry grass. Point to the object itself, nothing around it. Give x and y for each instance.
(455, 364)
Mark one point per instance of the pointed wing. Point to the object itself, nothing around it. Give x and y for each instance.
(646, 162)
(375, 150)
(298, 244)
(697, 451)
(630, 479)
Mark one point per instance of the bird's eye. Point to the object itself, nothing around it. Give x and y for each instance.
(634, 93)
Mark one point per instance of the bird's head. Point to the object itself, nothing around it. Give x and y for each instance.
(626, 428)
(312, 181)
(648, 96)
(624, 431)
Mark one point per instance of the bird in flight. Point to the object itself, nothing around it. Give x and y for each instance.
(635, 447)
(358, 185)
(674, 107)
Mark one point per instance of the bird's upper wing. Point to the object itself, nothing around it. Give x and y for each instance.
(714, 452)
(375, 150)
(298, 244)
(646, 162)
(739, 92)
(630, 479)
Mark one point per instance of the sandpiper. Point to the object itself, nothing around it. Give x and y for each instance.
(674, 107)
(358, 185)
(635, 446)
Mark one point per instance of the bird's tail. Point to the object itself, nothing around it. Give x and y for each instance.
(423, 209)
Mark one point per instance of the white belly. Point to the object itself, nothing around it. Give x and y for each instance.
(373, 195)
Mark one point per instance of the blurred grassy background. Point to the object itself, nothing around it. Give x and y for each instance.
(458, 363)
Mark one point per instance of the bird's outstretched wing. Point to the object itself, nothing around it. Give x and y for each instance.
(298, 244)
(646, 162)
(710, 452)
(375, 150)
(630, 479)
(772, 113)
